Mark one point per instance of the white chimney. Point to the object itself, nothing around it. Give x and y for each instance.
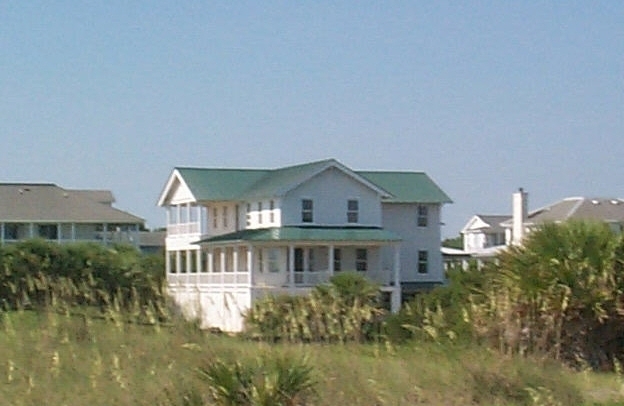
(520, 214)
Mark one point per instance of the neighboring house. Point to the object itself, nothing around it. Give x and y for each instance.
(486, 235)
(45, 210)
(235, 235)
(152, 242)
(483, 232)
(607, 210)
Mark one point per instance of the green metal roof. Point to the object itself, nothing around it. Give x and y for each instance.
(280, 181)
(333, 234)
(220, 184)
(237, 184)
(407, 187)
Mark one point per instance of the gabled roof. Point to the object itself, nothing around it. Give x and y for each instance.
(279, 181)
(407, 187)
(578, 208)
(489, 222)
(220, 184)
(213, 184)
(311, 234)
(47, 202)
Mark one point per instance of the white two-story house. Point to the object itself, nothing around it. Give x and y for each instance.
(234, 235)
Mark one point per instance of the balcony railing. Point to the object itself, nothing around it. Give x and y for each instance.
(183, 228)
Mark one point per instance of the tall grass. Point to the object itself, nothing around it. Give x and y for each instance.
(60, 359)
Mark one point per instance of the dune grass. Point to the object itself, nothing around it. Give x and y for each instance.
(69, 358)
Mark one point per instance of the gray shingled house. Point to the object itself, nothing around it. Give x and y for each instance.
(48, 211)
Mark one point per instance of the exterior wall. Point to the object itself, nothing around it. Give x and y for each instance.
(217, 307)
(223, 218)
(402, 219)
(329, 192)
(256, 218)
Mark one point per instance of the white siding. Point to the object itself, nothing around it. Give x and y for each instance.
(260, 219)
(402, 220)
(330, 191)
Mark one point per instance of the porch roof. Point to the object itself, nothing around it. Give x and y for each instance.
(324, 234)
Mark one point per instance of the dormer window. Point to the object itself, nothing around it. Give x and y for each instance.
(352, 210)
(307, 209)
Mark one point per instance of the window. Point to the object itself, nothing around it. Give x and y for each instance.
(422, 261)
(215, 216)
(272, 213)
(337, 260)
(307, 211)
(225, 217)
(361, 259)
(248, 217)
(259, 212)
(10, 231)
(422, 216)
(352, 211)
(47, 231)
(273, 260)
(260, 261)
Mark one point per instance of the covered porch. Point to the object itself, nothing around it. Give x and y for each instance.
(288, 259)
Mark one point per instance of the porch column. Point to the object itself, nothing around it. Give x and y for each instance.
(199, 261)
(291, 266)
(105, 235)
(395, 300)
(178, 262)
(250, 264)
(222, 264)
(235, 259)
(167, 262)
(31, 230)
(330, 266)
(59, 232)
(210, 260)
(2, 234)
(73, 231)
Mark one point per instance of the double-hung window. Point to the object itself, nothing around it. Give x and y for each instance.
(307, 211)
(422, 261)
(352, 210)
(337, 260)
(259, 212)
(361, 260)
(422, 216)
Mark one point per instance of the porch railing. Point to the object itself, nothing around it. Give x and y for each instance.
(215, 278)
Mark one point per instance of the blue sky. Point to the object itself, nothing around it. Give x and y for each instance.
(484, 96)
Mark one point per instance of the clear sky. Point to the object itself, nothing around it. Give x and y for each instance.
(484, 96)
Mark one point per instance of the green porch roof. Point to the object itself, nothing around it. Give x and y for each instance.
(311, 234)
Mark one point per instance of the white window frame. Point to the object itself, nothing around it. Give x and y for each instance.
(353, 213)
(423, 262)
(422, 219)
(307, 214)
(361, 261)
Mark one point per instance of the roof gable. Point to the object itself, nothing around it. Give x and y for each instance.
(280, 181)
